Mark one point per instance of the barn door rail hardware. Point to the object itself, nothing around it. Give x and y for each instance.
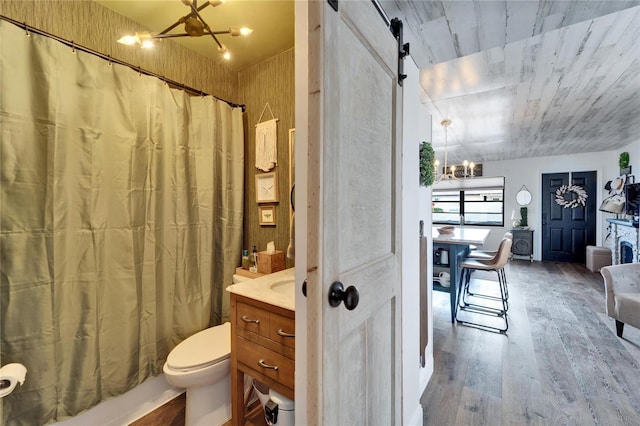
(403, 48)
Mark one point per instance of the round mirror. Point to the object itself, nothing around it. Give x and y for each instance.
(523, 197)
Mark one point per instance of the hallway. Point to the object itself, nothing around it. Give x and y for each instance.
(560, 362)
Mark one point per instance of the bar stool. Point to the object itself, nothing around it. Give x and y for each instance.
(502, 276)
(485, 254)
(490, 256)
(496, 265)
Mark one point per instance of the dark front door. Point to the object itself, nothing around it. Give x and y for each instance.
(566, 231)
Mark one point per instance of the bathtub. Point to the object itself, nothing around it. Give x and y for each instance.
(129, 407)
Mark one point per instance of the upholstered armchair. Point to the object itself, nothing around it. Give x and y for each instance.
(622, 289)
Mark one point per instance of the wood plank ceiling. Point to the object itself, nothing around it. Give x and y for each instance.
(524, 79)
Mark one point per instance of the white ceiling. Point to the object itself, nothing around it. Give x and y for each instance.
(272, 22)
(518, 79)
(525, 79)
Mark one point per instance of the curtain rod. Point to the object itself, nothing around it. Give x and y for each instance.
(71, 44)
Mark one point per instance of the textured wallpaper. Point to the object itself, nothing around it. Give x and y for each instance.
(271, 81)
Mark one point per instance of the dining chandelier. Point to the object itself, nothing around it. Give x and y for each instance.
(194, 26)
(449, 172)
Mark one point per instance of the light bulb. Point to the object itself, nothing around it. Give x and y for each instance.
(145, 40)
(129, 39)
(224, 52)
(453, 169)
(237, 31)
(215, 3)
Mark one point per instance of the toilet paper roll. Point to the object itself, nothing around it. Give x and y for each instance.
(10, 376)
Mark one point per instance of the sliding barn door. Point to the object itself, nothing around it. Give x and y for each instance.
(354, 217)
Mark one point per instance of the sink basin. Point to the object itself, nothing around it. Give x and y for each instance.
(285, 286)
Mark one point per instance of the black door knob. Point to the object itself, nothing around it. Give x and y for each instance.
(338, 294)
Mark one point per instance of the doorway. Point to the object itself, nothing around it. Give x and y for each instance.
(568, 215)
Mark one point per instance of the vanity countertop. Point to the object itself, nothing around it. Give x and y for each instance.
(273, 289)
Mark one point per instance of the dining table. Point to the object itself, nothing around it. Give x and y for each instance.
(458, 244)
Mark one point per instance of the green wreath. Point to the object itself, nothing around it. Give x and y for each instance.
(427, 157)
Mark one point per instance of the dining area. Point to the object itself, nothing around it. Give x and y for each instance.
(457, 257)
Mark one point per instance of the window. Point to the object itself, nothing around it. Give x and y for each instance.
(480, 201)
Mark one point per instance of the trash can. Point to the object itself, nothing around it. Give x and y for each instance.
(278, 409)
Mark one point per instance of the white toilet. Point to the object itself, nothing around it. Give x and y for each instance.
(201, 365)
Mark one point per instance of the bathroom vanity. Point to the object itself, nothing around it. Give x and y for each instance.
(262, 336)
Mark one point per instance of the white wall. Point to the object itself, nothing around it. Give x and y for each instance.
(634, 157)
(529, 172)
(411, 370)
(424, 214)
(416, 206)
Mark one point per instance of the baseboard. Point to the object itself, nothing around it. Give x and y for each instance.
(426, 373)
(417, 417)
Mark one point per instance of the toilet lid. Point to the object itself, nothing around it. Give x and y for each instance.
(204, 348)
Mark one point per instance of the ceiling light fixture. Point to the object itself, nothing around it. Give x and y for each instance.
(194, 26)
(449, 172)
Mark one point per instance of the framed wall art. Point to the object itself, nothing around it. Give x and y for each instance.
(267, 188)
(267, 215)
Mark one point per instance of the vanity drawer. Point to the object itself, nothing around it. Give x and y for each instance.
(282, 330)
(251, 355)
(253, 319)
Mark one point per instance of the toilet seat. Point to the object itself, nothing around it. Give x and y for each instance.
(205, 348)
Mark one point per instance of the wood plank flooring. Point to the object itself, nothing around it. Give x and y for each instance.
(560, 363)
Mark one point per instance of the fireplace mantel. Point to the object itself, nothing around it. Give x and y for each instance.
(624, 222)
(627, 233)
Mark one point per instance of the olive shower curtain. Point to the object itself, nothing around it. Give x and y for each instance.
(120, 223)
